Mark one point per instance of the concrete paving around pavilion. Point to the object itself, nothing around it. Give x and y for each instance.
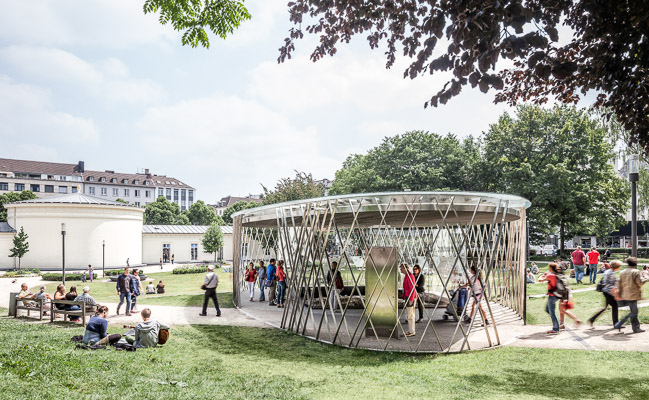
(261, 315)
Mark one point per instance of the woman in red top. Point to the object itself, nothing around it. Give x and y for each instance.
(281, 283)
(250, 277)
(550, 308)
(410, 296)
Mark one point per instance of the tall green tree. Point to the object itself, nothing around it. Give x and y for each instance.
(201, 214)
(238, 206)
(213, 240)
(21, 246)
(303, 186)
(164, 212)
(13, 197)
(416, 160)
(559, 159)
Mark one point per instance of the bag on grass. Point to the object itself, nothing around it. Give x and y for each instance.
(163, 336)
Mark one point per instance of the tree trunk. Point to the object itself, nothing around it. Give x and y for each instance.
(561, 232)
(18, 262)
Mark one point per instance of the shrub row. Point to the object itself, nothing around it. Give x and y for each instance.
(22, 272)
(55, 276)
(190, 269)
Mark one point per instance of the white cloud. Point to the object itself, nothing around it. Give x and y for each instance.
(28, 115)
(108, 79)
(104, 23)
(231, 144)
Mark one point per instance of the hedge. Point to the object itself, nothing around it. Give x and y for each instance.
(22, 272)
(113, 272)
(194, 269)
(55, 276)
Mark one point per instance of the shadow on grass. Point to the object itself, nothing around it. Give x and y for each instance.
(289, 347)
(551, 385)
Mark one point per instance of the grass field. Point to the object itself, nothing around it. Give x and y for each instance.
(206, 362)
(180, 290)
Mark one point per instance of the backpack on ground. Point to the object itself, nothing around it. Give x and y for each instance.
(163, 336)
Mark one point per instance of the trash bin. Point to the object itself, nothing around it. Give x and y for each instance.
(12, 304)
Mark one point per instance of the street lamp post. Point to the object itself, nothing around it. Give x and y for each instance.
(634, 175)
(63, 249)
(103, 258)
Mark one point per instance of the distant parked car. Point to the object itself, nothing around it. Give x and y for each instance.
(549, 250)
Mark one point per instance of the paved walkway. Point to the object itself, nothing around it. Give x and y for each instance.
(514, 334)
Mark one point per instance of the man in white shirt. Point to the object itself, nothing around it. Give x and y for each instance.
(211, 282)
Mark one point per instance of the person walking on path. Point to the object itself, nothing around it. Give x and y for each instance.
(261, 274)
(161, 263)
(578, 258)
(334, 276)
(280, 274)
(630, 291)
(270, 282)
(136, 288)
(609, 290)
(409, 296)
(124, 290)
(593, 262)
(566, 304)
(250, 278)
(210, 285)
(420, 284)
(91, 272)
(173, 257)
(551, 278)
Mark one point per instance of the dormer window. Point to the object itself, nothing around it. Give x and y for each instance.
(91, 178)
(113, 180)
(102, 179)
(136, 182)
(147, 182)
(125, 181)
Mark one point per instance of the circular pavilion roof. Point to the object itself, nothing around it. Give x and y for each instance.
(398, 209)
(73, 198)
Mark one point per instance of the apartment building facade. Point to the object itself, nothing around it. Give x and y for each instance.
(46, 179)
(227, 201)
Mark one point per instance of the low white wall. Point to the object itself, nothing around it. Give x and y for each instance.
(180, 247)
(86, 227)
(6, 243)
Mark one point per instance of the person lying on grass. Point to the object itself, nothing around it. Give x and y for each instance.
(147, 332)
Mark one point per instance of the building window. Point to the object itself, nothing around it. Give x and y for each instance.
(91, 190)
(19, 187)
(63, 189)
(35, 188)
(191, 195)
(48, 188)
(125, 181)
(4, 186)
(183, 208)
(183, 194)
(168, 194)
(194, 251)
(113, 180)
(74, 189)
(102, 179)
(126, 192)
(137, 193)
(104, 191)
(115, 192)
(137, 204)
(137, 181)
(175, 195)
(91, 178)
(161, 192)
(147, 193)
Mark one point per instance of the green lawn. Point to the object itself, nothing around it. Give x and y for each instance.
(180, 290)
(220, 362)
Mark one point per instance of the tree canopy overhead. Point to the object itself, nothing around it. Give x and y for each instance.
(11, 197)
(303, 186)
(608, 50)
(164, 212)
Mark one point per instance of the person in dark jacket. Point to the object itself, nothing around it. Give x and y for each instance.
(96, 330)
(420, 284)
(136, 287)
(124, 283)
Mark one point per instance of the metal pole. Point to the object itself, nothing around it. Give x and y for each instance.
(103, 258)
(63, 250)
(634, 215)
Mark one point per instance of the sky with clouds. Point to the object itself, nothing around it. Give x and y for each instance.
(99, 81)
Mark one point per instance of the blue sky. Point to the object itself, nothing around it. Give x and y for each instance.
(100, 81)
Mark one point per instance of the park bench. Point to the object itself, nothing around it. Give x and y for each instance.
(85, 309)
(35, 305)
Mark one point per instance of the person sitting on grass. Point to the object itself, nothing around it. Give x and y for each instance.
(147, 332)
(160, 287)
(150, 289)
(530, 277)
(97, 329)
(26, 296)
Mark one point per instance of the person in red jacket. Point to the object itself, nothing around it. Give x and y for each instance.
(410, 296)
